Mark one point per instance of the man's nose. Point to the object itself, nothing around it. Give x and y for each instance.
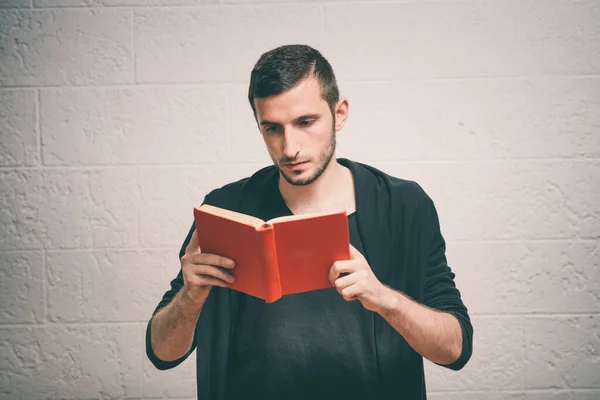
(290, 144)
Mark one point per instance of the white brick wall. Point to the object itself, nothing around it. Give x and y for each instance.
(117, 116)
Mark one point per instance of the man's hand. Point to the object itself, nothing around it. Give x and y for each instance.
(359, 282)
(202, 271)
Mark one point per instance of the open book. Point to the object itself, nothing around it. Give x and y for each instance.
(285, 255)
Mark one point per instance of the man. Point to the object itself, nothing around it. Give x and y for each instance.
(392, 304)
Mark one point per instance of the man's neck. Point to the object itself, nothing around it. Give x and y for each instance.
(332, 191)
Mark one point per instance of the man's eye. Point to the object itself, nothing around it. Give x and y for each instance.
(271, 128)
(306, 122)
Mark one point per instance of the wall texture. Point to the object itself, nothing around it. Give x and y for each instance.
(117, 116)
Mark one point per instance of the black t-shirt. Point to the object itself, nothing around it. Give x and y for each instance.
(303, 346)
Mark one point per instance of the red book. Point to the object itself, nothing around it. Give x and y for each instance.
(285, 255)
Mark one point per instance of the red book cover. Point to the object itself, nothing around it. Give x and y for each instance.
(283, 256)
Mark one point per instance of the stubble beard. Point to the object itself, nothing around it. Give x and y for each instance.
(324, 160)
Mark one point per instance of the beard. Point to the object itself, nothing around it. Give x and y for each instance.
(324, 158)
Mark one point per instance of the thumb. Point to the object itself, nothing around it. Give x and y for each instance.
(355, 254)
(193, 246)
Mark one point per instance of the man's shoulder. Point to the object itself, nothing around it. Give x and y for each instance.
(409, 190)
(400, 188)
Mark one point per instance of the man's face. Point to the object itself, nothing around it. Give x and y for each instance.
(299, 131)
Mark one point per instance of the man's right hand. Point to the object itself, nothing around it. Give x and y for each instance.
(202, 271)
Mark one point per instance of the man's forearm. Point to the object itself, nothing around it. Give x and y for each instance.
(435, 335)
(172, 330)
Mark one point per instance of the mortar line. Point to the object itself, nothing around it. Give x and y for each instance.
(137, 322)
(536, 314)
(322, 24)
(139, 209)
(38, 128)
(523, 353)
(141, 359)
(70, 324)
(219, 4)
(523, 241)
(133, 61)
(166, 247)
(192, 83)
(87, 249)
(228, 116)
(176, 247)
(517, 391)
(87, 167)
(44, 287)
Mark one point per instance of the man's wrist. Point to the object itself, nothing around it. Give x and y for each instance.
(389, 301)
(187, 303)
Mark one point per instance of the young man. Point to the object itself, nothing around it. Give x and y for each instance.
(392, 304)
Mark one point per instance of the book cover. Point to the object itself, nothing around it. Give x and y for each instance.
(286, 255)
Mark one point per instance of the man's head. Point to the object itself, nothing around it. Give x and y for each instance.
(295, 99)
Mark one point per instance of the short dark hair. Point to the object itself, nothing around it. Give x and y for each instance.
(284, 67)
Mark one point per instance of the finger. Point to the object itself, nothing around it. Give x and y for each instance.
(212, 259)
(344, 282)
(193, 246)
(349, 293)
(340, 267)
(215, 272)
(355, 254)
(212, 281)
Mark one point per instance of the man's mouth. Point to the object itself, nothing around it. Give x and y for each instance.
(296, 163)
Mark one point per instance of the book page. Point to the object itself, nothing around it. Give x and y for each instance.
(301, 216)
(232, 215)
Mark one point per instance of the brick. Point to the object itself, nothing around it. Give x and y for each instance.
(95, 208)
(4, 383)
(568, 271)
(474, 395)
(489, 275)
(168, 197)
(21, 197)
(462, 39)
(496, 364)
(127, 126)
(14, 4)
(65, 47)
(21, 287)
(68, 209)
(18, 141)
(562, 352)
(238, 171)
(111, 286)
(273, 1)
(247, 144)
(509, 277)
(470, 119)
(122, 3)
(211, 44)
(525, 395)
(511, 200)
(562, 395)
(72, 362)
(371, 29)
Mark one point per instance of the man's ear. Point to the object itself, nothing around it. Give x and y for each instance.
(341, 113)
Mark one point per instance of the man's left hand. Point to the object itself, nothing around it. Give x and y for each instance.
(358, 282)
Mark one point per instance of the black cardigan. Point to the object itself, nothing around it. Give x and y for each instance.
(399, 227)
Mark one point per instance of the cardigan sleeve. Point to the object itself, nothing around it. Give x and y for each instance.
(441, 292)
(217, 198)
(176, 285)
